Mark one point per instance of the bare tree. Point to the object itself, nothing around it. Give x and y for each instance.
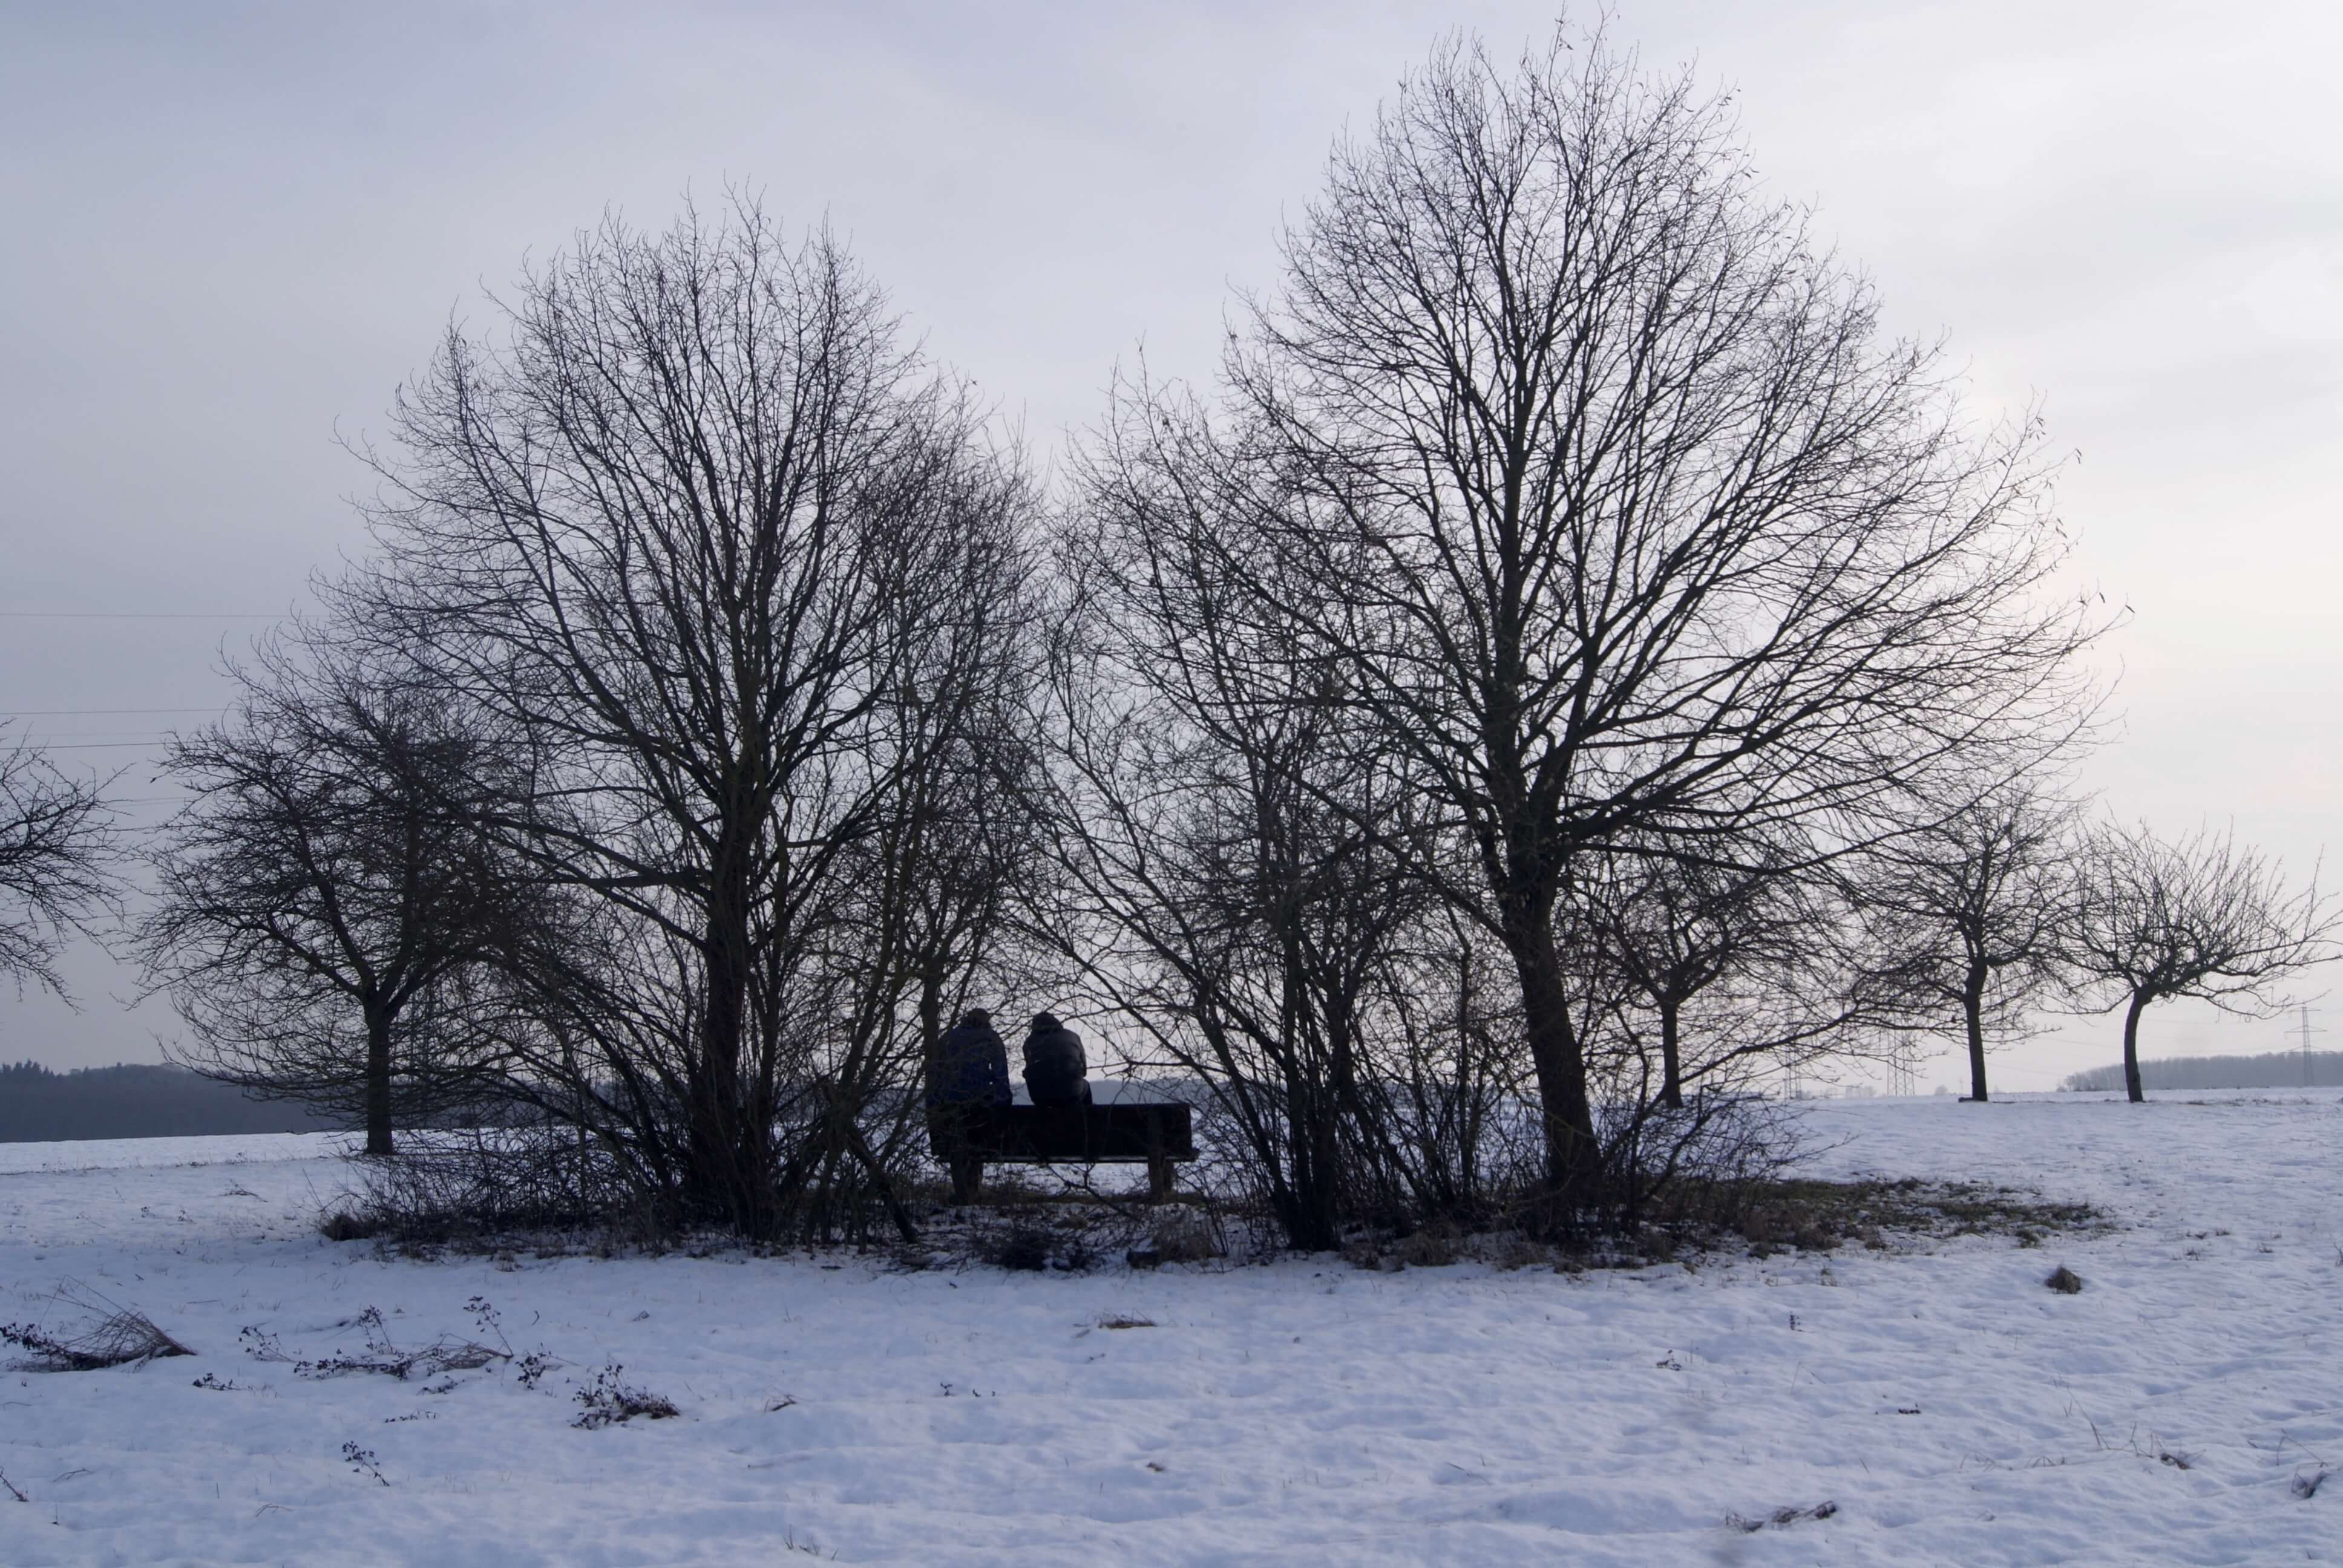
(57, 845)
(325, 882)
(1678, 931)
(1614, 507)
(2198, 918)
(698, 524)
(1974, 909)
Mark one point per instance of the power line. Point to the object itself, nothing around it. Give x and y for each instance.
(132, 615)
(85, 712)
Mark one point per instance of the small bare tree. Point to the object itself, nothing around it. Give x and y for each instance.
(1753, 934)
(56, 848)
(2200, 918)
(326, 881)
(1973, 910)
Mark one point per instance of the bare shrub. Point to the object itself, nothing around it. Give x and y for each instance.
(1021, 1248)
(609, 1400)
(2064, 1280)
(1522, 1252)
(1433, 1247)
(1700, 1164)
(383, 1357)
(477, 1182)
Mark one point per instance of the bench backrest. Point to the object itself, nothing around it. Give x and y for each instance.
(1103, 1134)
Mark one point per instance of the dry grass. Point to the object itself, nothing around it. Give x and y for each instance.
(1780, 1517)
(1186, 1236)
(121, 1336)
(1431, 1247)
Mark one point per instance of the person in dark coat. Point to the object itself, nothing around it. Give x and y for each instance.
(970, 1071)
(1054, 1063)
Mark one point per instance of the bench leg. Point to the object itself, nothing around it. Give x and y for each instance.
(967, 1178)
(1158, 1178)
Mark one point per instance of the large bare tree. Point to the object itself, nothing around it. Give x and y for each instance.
(700, 522)
(57, 845)
(2198, 917)
(1618, 507)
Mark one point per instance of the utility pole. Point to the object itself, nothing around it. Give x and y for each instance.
(2306, 1029)
(1900, 1054)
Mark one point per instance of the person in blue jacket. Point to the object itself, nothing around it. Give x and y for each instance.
(970, 1071)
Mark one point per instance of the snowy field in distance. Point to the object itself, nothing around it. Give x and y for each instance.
(1953, 1409)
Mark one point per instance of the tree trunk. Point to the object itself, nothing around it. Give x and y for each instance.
(1973, 1014)
(1315, 1225)
(1671, 1059)
(1573, 1160)
(378, 1020)
(2139, 1001)
(729, 1176)
(931, 1026)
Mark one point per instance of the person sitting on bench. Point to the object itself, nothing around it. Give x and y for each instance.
(970, 1070)
(1054, 1064)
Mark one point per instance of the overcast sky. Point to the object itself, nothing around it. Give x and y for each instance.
(228, 232)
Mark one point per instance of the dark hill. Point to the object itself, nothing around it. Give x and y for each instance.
(38, 1106)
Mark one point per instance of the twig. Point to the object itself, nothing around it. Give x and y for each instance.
(11, 1488)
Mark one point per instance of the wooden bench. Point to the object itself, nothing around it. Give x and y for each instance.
(1157, 1133)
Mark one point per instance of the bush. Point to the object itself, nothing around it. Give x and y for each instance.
(474, 1183)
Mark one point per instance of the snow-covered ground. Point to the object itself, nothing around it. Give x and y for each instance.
(1953, 1409)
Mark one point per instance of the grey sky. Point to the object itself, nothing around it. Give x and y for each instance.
(232, 230)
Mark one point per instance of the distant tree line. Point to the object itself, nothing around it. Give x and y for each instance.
(1571, 668)
(2277, 1070)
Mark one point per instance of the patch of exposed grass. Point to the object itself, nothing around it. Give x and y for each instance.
(1817, 1216)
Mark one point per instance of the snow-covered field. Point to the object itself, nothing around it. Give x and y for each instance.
(1953, 1409)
